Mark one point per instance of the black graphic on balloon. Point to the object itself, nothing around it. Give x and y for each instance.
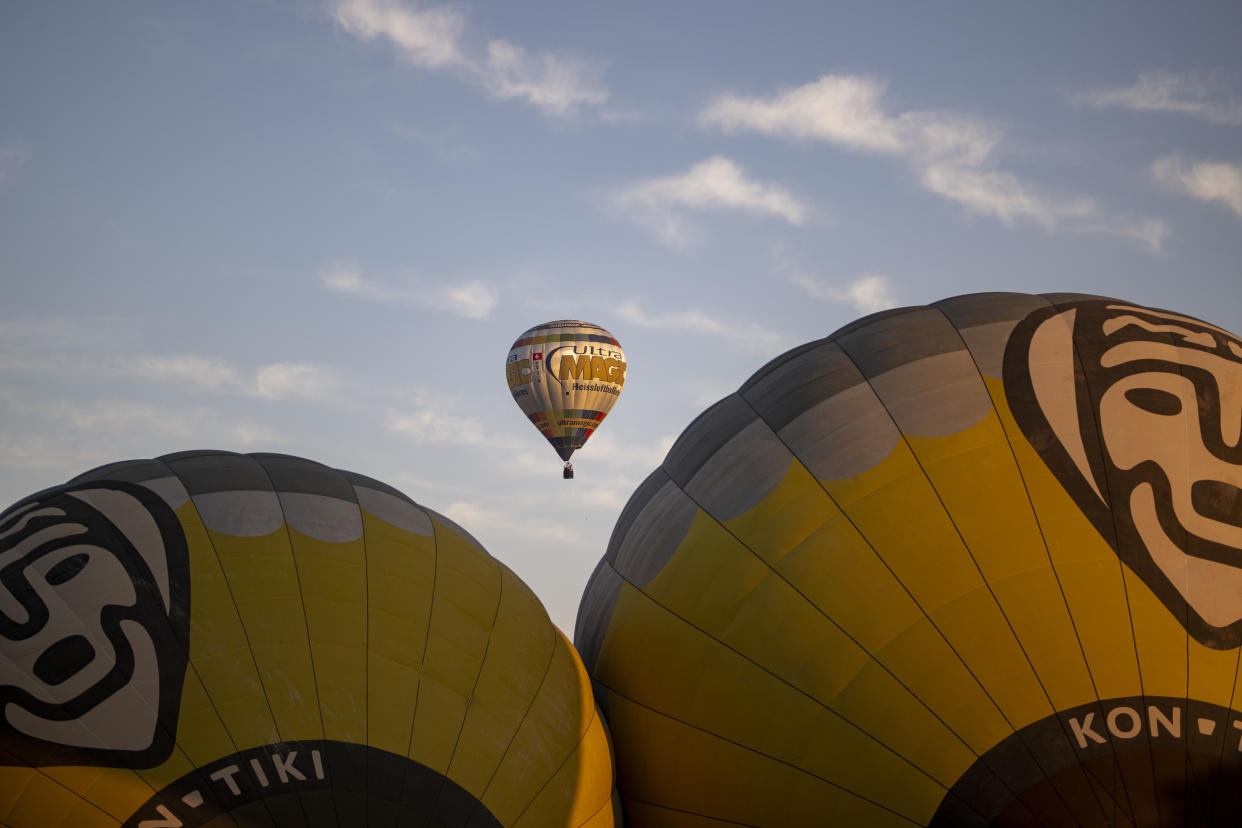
(1138, 412)
(94, 626)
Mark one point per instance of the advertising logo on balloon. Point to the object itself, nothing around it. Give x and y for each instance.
(94, 626)
(284, 783)
(586, 363)
(1138, 412)
(1114, 761)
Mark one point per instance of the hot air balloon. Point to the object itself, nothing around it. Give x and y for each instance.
(222, 639)
(977, 563)
(565, 376)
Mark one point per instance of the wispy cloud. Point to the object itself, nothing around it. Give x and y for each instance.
(743, 336)
(294, 380)
(847, 110)
(274, 381)
(58, 348)
(436, 418)
(1002, 196)
(865, 294)
(1166, 92)
(68, 436)
(556, 85)
(664, 204)
(426, 37)
(1205, 180)
(189, 371)
(436, 38)
(474, 299)
(952, 154)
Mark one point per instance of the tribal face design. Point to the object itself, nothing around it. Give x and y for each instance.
(1139, 414)
(94, 621)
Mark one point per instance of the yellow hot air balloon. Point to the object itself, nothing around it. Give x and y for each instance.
(216, 639)
(972, 564)
(565, 376)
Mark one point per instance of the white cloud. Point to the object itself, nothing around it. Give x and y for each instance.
(66, 437)
(294, 380)
(1164, 92)
(435, 38)
(951, 154)
(1152, 233)
(554, 84)
(714, 184)
(188, 370)
(275, 381)
(344, 277)
(1205, 180)
(838, 109)
(847, 110)
(744, 336)
(865, 294)
(474, 299)
(1001, 195)
(635, 457)
(433, 417)
(425, 37)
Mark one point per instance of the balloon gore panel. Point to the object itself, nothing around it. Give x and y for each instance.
(969, 564)
(223, 639)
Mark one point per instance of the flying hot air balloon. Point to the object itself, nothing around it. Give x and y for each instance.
(977, 563)
(217, 639)
(566, 376)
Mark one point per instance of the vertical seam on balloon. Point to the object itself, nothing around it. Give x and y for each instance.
(366, 646)
(1187, 765)
(719, 820)
(1043, 540)
(547, 671)
(607, 801)
(1105, 485)
(905, 441)
(487, 648)
(824, 705)
(422, 660)
(1232, 698)
(1216, 781)
(40, 772)
(310, 648)
(1090, 776)
(241, 624)
(1118, 777)
(190, 666)
(560, 642)
(833, 621)
(757, 752)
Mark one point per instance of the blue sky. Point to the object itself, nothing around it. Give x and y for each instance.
(316, 227)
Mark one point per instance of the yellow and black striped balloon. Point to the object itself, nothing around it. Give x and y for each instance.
(216, 639)
(975, 563)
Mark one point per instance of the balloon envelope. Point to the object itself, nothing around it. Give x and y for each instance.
(975, 563)
(223, 639)
(565, 376)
